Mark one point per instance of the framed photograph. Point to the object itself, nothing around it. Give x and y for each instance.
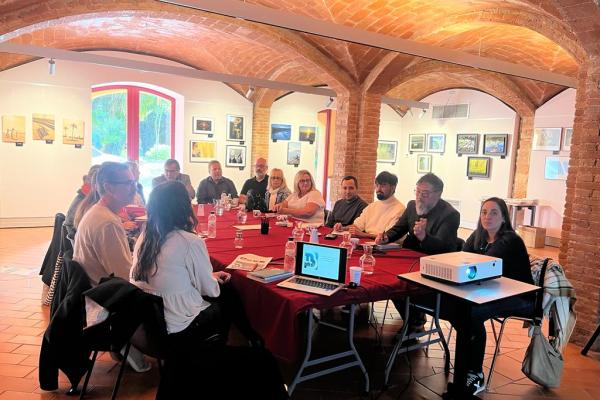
(235, 156)
(478, 167)
(73, 131)
(467, 143)
(423, 163)
(416, 142)
(386, 151)
(235, 128)
(556, 168)
(307, 133)
(43, 126)
(202, 151)
(203, 125)
(281, 132)
(293, 153)
(13, 128)
(436, 143)
(495, 144)
(567, 136)
(546, 139)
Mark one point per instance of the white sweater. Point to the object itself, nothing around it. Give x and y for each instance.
(380, 216)
(183, 275)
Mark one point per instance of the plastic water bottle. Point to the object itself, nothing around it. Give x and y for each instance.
(289, 260)
(212, 225)
(314, 235)
(200, 212)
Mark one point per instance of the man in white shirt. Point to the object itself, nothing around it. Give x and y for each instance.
(101, 245)
(382, 214)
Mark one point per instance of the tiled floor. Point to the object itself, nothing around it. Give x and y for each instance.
(23, 320)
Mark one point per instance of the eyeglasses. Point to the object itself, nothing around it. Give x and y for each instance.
(276, 177)
(129, 182)
(304, 181)
(424, 193)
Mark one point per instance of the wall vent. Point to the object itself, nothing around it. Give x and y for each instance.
(451, 111)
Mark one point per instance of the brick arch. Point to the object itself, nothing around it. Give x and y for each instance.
(429, 77)
(286, 44)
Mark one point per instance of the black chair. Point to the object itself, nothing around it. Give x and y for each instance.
(54, 250)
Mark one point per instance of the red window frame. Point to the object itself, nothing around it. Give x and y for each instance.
(133, 116)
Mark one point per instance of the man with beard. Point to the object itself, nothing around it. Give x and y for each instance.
(382, 214)
(430, 225)
(254, 189)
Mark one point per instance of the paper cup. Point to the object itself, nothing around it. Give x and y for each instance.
(355, 273)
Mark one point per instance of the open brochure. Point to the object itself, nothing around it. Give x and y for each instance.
(249, 262)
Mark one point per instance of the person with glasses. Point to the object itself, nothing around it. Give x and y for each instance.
(430, 225)
(381, 214)
(277, 190)
(254, 189)
(172, 173)
(306, 202)
(211, 187)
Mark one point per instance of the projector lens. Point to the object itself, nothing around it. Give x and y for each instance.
(471, 272)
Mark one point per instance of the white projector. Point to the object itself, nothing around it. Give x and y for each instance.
(461, 267)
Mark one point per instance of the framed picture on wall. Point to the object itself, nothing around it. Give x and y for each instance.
(467, 143)
(556, 168)
(307, 133)
(478, 167)
(235, 128)
(386, 151)
(436, 142)
(495, 144)
(203, 125)
(567, 136)
(281, 132)
(546, 139)
(13, 128)
(73, 131)
(423, 163)
(202, 151)
(293, 153)
(235, 156)
(43, 126)
(416, 142)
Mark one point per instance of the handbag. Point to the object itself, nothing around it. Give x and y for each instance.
(543, 363)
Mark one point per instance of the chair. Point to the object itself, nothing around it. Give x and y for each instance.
(536, 318)
(53, 254)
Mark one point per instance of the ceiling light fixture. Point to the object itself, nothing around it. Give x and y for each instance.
(329, 102)
(249, 92)
(51, 66)
(423, 111)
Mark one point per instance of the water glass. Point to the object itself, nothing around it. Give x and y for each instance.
(256, 213)
(242, 217)
(219, 210)
(238, 241)
(203, 229)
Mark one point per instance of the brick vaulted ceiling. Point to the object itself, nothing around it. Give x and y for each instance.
(529, 33)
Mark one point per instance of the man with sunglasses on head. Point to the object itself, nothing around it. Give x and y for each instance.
(172, 173)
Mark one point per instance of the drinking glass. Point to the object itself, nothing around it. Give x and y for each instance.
(346, 244)
(203, 229)
(242, 217)
(238, 241)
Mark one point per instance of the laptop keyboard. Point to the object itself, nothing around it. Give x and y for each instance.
(310, 282)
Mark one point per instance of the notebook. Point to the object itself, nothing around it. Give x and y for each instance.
(320, 269)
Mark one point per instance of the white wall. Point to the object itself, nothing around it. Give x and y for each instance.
(38, 179)
(559, 112)
(486, 115)
(298, 109)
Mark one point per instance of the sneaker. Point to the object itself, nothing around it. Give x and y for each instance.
(475, 382)
(136, 360)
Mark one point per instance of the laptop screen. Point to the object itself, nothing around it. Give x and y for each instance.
(320, 261)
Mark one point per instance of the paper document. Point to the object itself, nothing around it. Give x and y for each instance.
(249, 262)
(247, 227)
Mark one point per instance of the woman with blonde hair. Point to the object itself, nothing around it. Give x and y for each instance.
(306, 203)
(277, 189)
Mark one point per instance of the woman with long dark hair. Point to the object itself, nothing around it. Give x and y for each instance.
(496, 237)
(170, 261)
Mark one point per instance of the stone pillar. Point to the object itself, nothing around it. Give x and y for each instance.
(579, 251)
(357, 131)
(260, 133)
(519, 187)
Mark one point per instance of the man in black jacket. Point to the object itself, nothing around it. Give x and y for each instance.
(430, 225)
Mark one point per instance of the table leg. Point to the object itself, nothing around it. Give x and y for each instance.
(307, 362)
(458, 390)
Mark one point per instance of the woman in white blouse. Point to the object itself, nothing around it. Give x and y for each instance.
(277, 190)
(306, 203)
(170, 261)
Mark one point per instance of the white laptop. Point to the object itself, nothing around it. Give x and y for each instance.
(320, 269)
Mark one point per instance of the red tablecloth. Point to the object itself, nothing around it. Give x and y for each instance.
(273, 311)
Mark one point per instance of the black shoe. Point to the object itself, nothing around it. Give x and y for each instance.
(475, 382)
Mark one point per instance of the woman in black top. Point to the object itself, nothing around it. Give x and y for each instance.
(496, 237)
